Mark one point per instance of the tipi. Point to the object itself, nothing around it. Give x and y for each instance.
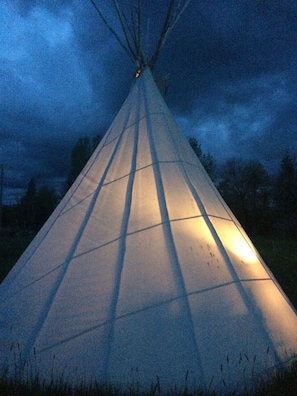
(142, 273)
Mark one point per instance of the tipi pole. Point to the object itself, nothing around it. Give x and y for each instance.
(121, 250)
(236, 280)
(179, 280)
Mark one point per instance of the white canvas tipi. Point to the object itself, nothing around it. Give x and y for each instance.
(142, 272)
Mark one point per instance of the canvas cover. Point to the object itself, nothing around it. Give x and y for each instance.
(142, 272)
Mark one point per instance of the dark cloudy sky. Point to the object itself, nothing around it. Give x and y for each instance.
(231, 64)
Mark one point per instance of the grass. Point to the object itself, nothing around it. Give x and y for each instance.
(281, 257)
(38, 388)
(279, 254)
(282, 384)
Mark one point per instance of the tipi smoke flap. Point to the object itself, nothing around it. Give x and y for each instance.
(142, 272)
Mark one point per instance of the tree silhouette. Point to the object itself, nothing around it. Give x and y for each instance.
(285, 196)
(80, 155)
(246, 187)
(207, 160)
(35, 206)
(27, 206)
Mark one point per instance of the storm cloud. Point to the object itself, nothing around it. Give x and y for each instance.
(231, 69)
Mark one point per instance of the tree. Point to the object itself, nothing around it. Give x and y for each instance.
(195, 146)
(35, 206)
(27, 206)
(207, 160)
(246, 187)
(285, 196)
(46, 201)
(80, 154)
(10, 218)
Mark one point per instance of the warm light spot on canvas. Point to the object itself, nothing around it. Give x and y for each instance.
(241, 248)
